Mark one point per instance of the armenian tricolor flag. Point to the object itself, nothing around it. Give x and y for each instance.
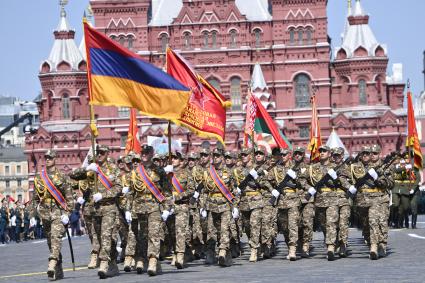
(119, 77)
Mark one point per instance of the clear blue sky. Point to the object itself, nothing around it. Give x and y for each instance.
(26, 30)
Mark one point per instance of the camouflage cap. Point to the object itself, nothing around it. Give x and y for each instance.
(375, 148)
(127, 159)
(229, 154)
(299, 149)
(217, 151)
(50, 153)
(193, 155)
(260, 149)
(174, 154)
(337, 151)
(246, 151)
(136, 157)
(78, 174)
(183, 156)
(147, 149)
(102, 148)
(204, 151)
(324, 147)
(120, 159)
(365, 148)
(156, 156)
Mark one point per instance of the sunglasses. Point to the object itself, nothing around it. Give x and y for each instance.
(49, 158)
(204, 155)
(191, 159)
(216, 155)
(259, 153)
(322, 150)
(175, 157)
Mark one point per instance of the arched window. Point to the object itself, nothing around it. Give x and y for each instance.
(235, 93)
(122, 40)
(214, 39)
(215, 83)
(233, 38)
(291, 36)
(130, 42)
(164, 42)
(205, 36)
(308, 36)
(362, 92)
(257, 35)
(186, 36)
(302, 91)
(65, 107)
(300, 37)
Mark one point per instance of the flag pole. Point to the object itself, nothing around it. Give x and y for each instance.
(169, 122)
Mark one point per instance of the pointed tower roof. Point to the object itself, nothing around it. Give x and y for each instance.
(358, 33)
(64, 47)
(88, 15)
(257, 80)
(335, 141)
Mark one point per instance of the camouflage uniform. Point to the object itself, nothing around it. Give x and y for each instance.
(288, 205)
(219, 214)
(372, 201)
(250, 205)
(51, 213)
(146, 217)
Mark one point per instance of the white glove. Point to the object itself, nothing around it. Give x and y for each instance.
(165, 215)
(332, 173)
(291, 173)
(254, 174)
(172, 211)
(32, 222)
(238, 191)
(412, 191)
(97, 197)
(352, 190)
(203, 213)
(64, 219)
(311, 191)
(408, 166)
(92, 167)
(81, 200)
(275, 193)
(169, 169)
(195, 195)
(111, 178)
(125, 190)
(128, 216)
(373, 173)
(235, 213)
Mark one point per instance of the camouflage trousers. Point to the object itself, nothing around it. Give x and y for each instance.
(268, 225)
(121, 230)
(92, 225)
(106, 220)
(180, 223)
(251, 220)
(375, 222)
(305, 233)
(54, 230)
(288, 220)
(343, 223)
(219, 229)
(147, 228)
(328, 217)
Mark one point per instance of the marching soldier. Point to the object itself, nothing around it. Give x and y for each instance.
(183, 188)
(219, 205)
(53, 202)
(321, 185)
(251, 201)
(104, 198)
(371, 183)
(4, 219)
(283, 179)
(147, 206)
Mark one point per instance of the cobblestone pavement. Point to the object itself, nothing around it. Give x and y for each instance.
(27, 262)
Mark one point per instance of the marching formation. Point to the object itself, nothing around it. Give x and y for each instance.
(199, 205)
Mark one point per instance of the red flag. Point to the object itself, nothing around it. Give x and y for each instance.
(412, 140)
(133, 143)
(315, 136)
(259, 120)
(205, 114)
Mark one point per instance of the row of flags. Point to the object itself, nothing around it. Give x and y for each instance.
(119, 77)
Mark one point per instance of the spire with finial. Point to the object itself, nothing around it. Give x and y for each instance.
(349, 7)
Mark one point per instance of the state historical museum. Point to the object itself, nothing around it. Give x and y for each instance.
(278, 48)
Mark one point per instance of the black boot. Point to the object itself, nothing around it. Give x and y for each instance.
(406, 221)
(395, 221)
(414, 218)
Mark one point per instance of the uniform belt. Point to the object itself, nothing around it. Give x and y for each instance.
(371, 190)
(107, 201)
(175, 193)
(405, 181)
(215, 195)
(289, 190)
(252, 193)
(326, 190)
(340, 191)
(146, 196)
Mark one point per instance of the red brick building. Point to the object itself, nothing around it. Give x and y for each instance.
(279, 48)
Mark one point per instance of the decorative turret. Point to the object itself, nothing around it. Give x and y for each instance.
(259, 87)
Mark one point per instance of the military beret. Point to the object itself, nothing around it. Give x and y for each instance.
(102, 148)
(337, 151)
(147, 148)
(193, 155)
(299, 149)
(50, 153)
